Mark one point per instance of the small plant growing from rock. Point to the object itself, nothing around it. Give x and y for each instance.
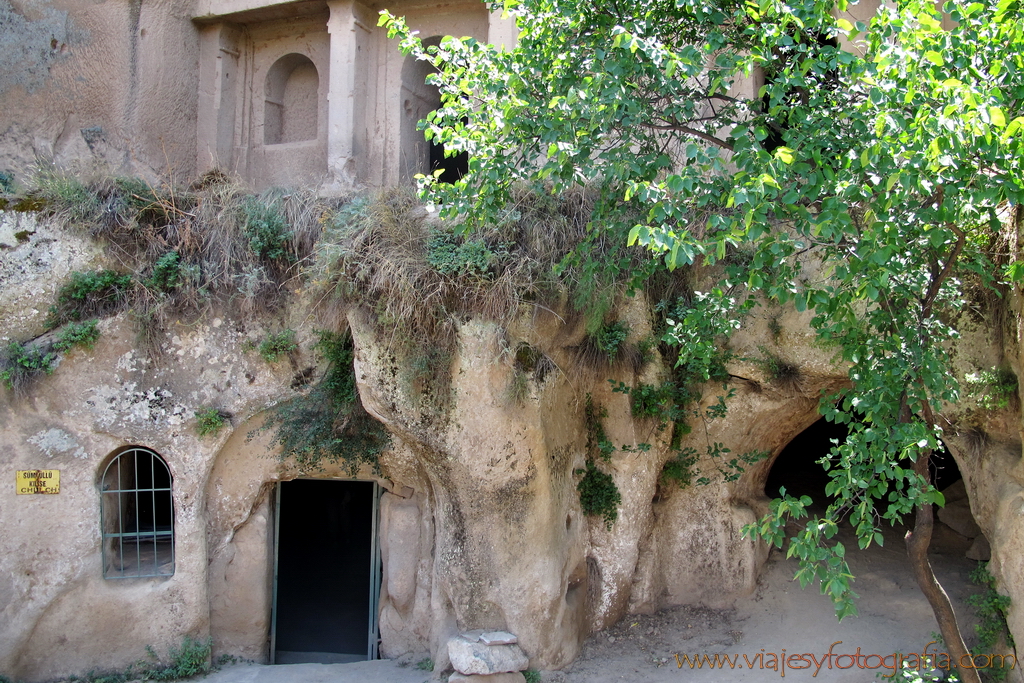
(532, 676)
(266, 227)
(649, 400)
(88, 294)
(166, 275)
(82, 334)
(777, 370)
(450, 255)
(610, 338)
(22, 363)
(679, 469)
(191, 658)
(209, 421)
(329, 424)
(991, 607)
(426, 664)
(274, 346)
(599, 496)
(528, 363)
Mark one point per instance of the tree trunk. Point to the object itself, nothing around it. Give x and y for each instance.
(918, 540)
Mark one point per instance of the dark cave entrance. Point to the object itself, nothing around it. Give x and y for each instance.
(327, 572)
(797, 468)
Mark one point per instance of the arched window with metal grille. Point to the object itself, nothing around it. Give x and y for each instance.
(137, 515)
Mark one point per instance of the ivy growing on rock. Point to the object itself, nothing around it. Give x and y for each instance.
(599, 496)
(329, 424)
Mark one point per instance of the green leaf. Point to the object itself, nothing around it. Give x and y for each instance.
(784, 154)
(995, 115)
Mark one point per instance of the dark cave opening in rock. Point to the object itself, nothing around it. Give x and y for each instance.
(797, 468)
(956, 538)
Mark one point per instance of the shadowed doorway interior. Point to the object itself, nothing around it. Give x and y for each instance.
(326, 572)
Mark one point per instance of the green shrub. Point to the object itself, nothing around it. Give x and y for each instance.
(210, 421)
(994, 389)
(650, 400)
(450, 255)
(277, 345)
(610, 338)
(82, 334)
(598, 443)
(425, 664)
(191, 658)
(166, 275)
(599, 496)
(532, 676)
(329, 424)
(22, 363)
(6, 186)
(266, 227)
(991, 607)
(679, 469)
(88, 294)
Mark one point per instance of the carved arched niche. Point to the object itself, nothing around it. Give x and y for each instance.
(292, 97)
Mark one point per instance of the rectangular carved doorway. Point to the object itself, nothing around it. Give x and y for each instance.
(326, 572)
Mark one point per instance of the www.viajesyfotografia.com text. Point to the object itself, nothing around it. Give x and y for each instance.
(781, 662)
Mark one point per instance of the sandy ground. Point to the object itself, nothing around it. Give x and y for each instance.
(783, 618)
(778, 618)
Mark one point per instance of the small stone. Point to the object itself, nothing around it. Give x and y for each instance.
(474, 657)
(611, 639)
(954, 492)
(507, 677)
(497, 638)
(957, 516)
(980, 550)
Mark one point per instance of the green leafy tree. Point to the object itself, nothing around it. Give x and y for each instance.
(891, 164)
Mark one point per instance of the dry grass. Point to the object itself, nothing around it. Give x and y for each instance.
(420, 278)
(210, 226)
(387, 254)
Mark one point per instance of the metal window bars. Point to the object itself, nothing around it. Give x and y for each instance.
(137, 516)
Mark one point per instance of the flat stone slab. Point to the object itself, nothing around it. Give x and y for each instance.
(516, 677)
(473, 657)
(497, 638)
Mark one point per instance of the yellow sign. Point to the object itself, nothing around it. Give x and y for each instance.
(38, 481)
